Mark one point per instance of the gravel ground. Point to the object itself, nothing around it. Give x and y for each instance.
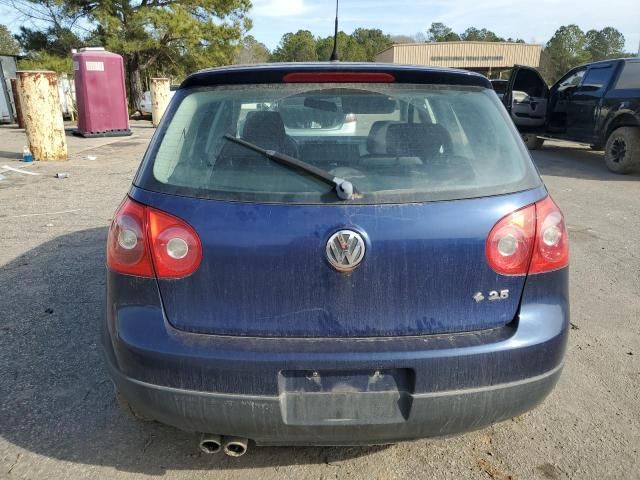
(58, 417)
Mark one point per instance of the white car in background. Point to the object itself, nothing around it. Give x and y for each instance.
(145, 104)
(323, 117)
(299, 122)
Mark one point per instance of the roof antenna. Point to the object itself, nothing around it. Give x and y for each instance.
(334, 54)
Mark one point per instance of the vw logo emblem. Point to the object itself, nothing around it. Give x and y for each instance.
(345, 250)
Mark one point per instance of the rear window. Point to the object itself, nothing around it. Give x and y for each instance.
(394, 142)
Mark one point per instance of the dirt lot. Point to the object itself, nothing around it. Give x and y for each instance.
(58, 417)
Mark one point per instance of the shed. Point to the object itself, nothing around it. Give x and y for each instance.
(489, 58)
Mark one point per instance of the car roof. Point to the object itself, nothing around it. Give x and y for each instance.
(274, 73)
(610, 60)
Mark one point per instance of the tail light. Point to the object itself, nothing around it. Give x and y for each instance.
(551, 251)
(532, 239)
(175, 246)
(127, 249)
(146, 242)
(350, 118)
(338, 77)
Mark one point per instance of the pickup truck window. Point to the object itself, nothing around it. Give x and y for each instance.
(596, 78)
(572, 80)
(630, 76)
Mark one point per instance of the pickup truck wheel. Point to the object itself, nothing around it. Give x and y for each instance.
(622, 151)
(129, 410)
(533, 142)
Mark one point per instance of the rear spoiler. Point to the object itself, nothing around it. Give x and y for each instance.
(277, 72)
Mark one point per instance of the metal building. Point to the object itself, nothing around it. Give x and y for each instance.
(489, 58)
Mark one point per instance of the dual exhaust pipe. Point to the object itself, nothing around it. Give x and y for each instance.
(232, 446)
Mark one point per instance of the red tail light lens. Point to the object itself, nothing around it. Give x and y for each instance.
(530, 240)
(127, 250)
(174, 244)
(552, 239)
(338, 77)
(510, 242)
(145, 242)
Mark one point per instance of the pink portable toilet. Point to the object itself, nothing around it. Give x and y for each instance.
(101, 95)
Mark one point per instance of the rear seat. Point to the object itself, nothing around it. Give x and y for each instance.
(427, 141)
(405, 144)
(377, 139)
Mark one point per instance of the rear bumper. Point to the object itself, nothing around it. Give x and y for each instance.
(263, 418)
(446, 384)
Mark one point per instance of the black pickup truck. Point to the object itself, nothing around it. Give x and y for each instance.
(597, 104)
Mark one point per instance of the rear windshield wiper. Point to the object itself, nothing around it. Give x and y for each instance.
(344, 188)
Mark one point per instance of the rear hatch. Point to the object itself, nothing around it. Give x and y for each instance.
(435, 169)
(265, 273)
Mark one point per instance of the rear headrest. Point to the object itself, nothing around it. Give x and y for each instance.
(422, 140)
(265, 129)
(377, 139)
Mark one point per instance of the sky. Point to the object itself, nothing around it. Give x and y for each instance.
(533, 21)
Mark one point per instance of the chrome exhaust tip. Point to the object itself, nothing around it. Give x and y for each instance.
(235, 446)
(210, 444)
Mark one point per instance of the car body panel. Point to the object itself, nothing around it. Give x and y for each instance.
(424, 264)
(586, 101)
(148, 348)
(620, 107)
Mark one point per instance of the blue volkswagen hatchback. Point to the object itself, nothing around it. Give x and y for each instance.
(275, 276)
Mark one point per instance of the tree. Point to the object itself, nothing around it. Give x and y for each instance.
(48, 47)
(372, 41)
(161, 37)
(8, 45)
(399, 39)
(473, 34)
(361, 46)
(439, 32)
(42, 60)
(418, 37)
(605, 43)
(252, 51)
(546, 67)
(565, 50)
(349, 49)
(55, 41)
(296, 47)
(169, 35)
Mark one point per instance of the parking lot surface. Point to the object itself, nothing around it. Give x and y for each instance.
(59, 419)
